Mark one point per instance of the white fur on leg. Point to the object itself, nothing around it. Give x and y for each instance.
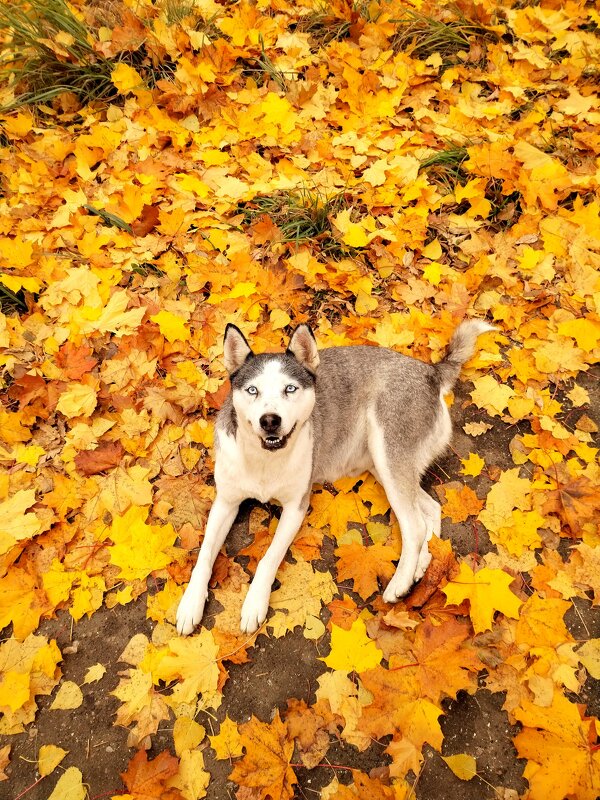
(256, 607)
(256, 604)
(424, 561)
(191, 607)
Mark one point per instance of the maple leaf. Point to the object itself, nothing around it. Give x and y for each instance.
(487, 591)
(298, 600)
(309, 727)
(559, 746)
(575, 499)
(142, 705)
(443, 665)
(228, 742)
(194, 661)
(266, 764)
(27, 669)
(147, 780)
(541, 623)
(16, 522)
(336, 511)
(352, 650)
(461, 502)
(139, 549)
(364, 565)
(24, 601)
(443, 565)
(75, 362)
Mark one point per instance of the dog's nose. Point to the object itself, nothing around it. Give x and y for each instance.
(270, 422)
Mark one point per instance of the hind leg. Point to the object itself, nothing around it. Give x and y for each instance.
(401, 484)
(432, 513)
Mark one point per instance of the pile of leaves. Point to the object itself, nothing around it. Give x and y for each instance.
(380, 170)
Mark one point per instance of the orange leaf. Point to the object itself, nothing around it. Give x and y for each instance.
(461, 503)
(145, 780)
(364, 565)
(266, 764)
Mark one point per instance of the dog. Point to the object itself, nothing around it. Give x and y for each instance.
(308, 416)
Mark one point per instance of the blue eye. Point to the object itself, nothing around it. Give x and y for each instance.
(252, 390)
(290, 388)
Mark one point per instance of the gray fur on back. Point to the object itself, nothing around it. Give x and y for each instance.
(401, 392)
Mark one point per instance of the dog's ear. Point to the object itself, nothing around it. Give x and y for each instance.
(235, 348)
(304, 347)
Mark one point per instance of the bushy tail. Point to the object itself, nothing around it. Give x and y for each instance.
(460, 349)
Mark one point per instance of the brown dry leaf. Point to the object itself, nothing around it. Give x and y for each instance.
(104, 457)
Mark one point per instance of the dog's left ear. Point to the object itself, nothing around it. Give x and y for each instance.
(304, 347)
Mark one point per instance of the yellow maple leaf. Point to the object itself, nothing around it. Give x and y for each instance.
(139, 549)
(298, 600)
(585, 331)
(126, 78)
(472, 465)
(509, 492)
(191, 779)
(15, 522)
(172, 327)
(194, 661)
(79, 400)
(541, 622)
(352, 651)
(487, 591)
(228, 742)
(491, 395)
(336, 511)
(142, 705)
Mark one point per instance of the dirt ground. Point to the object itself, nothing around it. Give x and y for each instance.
(280, 669)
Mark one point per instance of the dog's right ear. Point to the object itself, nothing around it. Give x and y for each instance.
(304, 347)
(236, 348)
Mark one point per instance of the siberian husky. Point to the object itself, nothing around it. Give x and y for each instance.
(308, 416)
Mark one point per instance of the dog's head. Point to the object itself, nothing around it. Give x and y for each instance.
(273, 393)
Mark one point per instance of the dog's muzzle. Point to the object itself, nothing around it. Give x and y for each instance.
(271, 442)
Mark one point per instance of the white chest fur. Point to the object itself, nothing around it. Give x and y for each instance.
(244, 469)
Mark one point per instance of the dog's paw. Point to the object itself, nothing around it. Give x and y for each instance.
(397, 588)
(254, 610)
(423, 563)
(190, 610)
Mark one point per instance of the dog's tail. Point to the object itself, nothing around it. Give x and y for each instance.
(460, 349)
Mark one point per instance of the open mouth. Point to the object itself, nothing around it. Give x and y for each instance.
(276, 442)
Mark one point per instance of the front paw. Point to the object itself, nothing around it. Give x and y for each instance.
(397, 588)
(255, 608)
(190, 609)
